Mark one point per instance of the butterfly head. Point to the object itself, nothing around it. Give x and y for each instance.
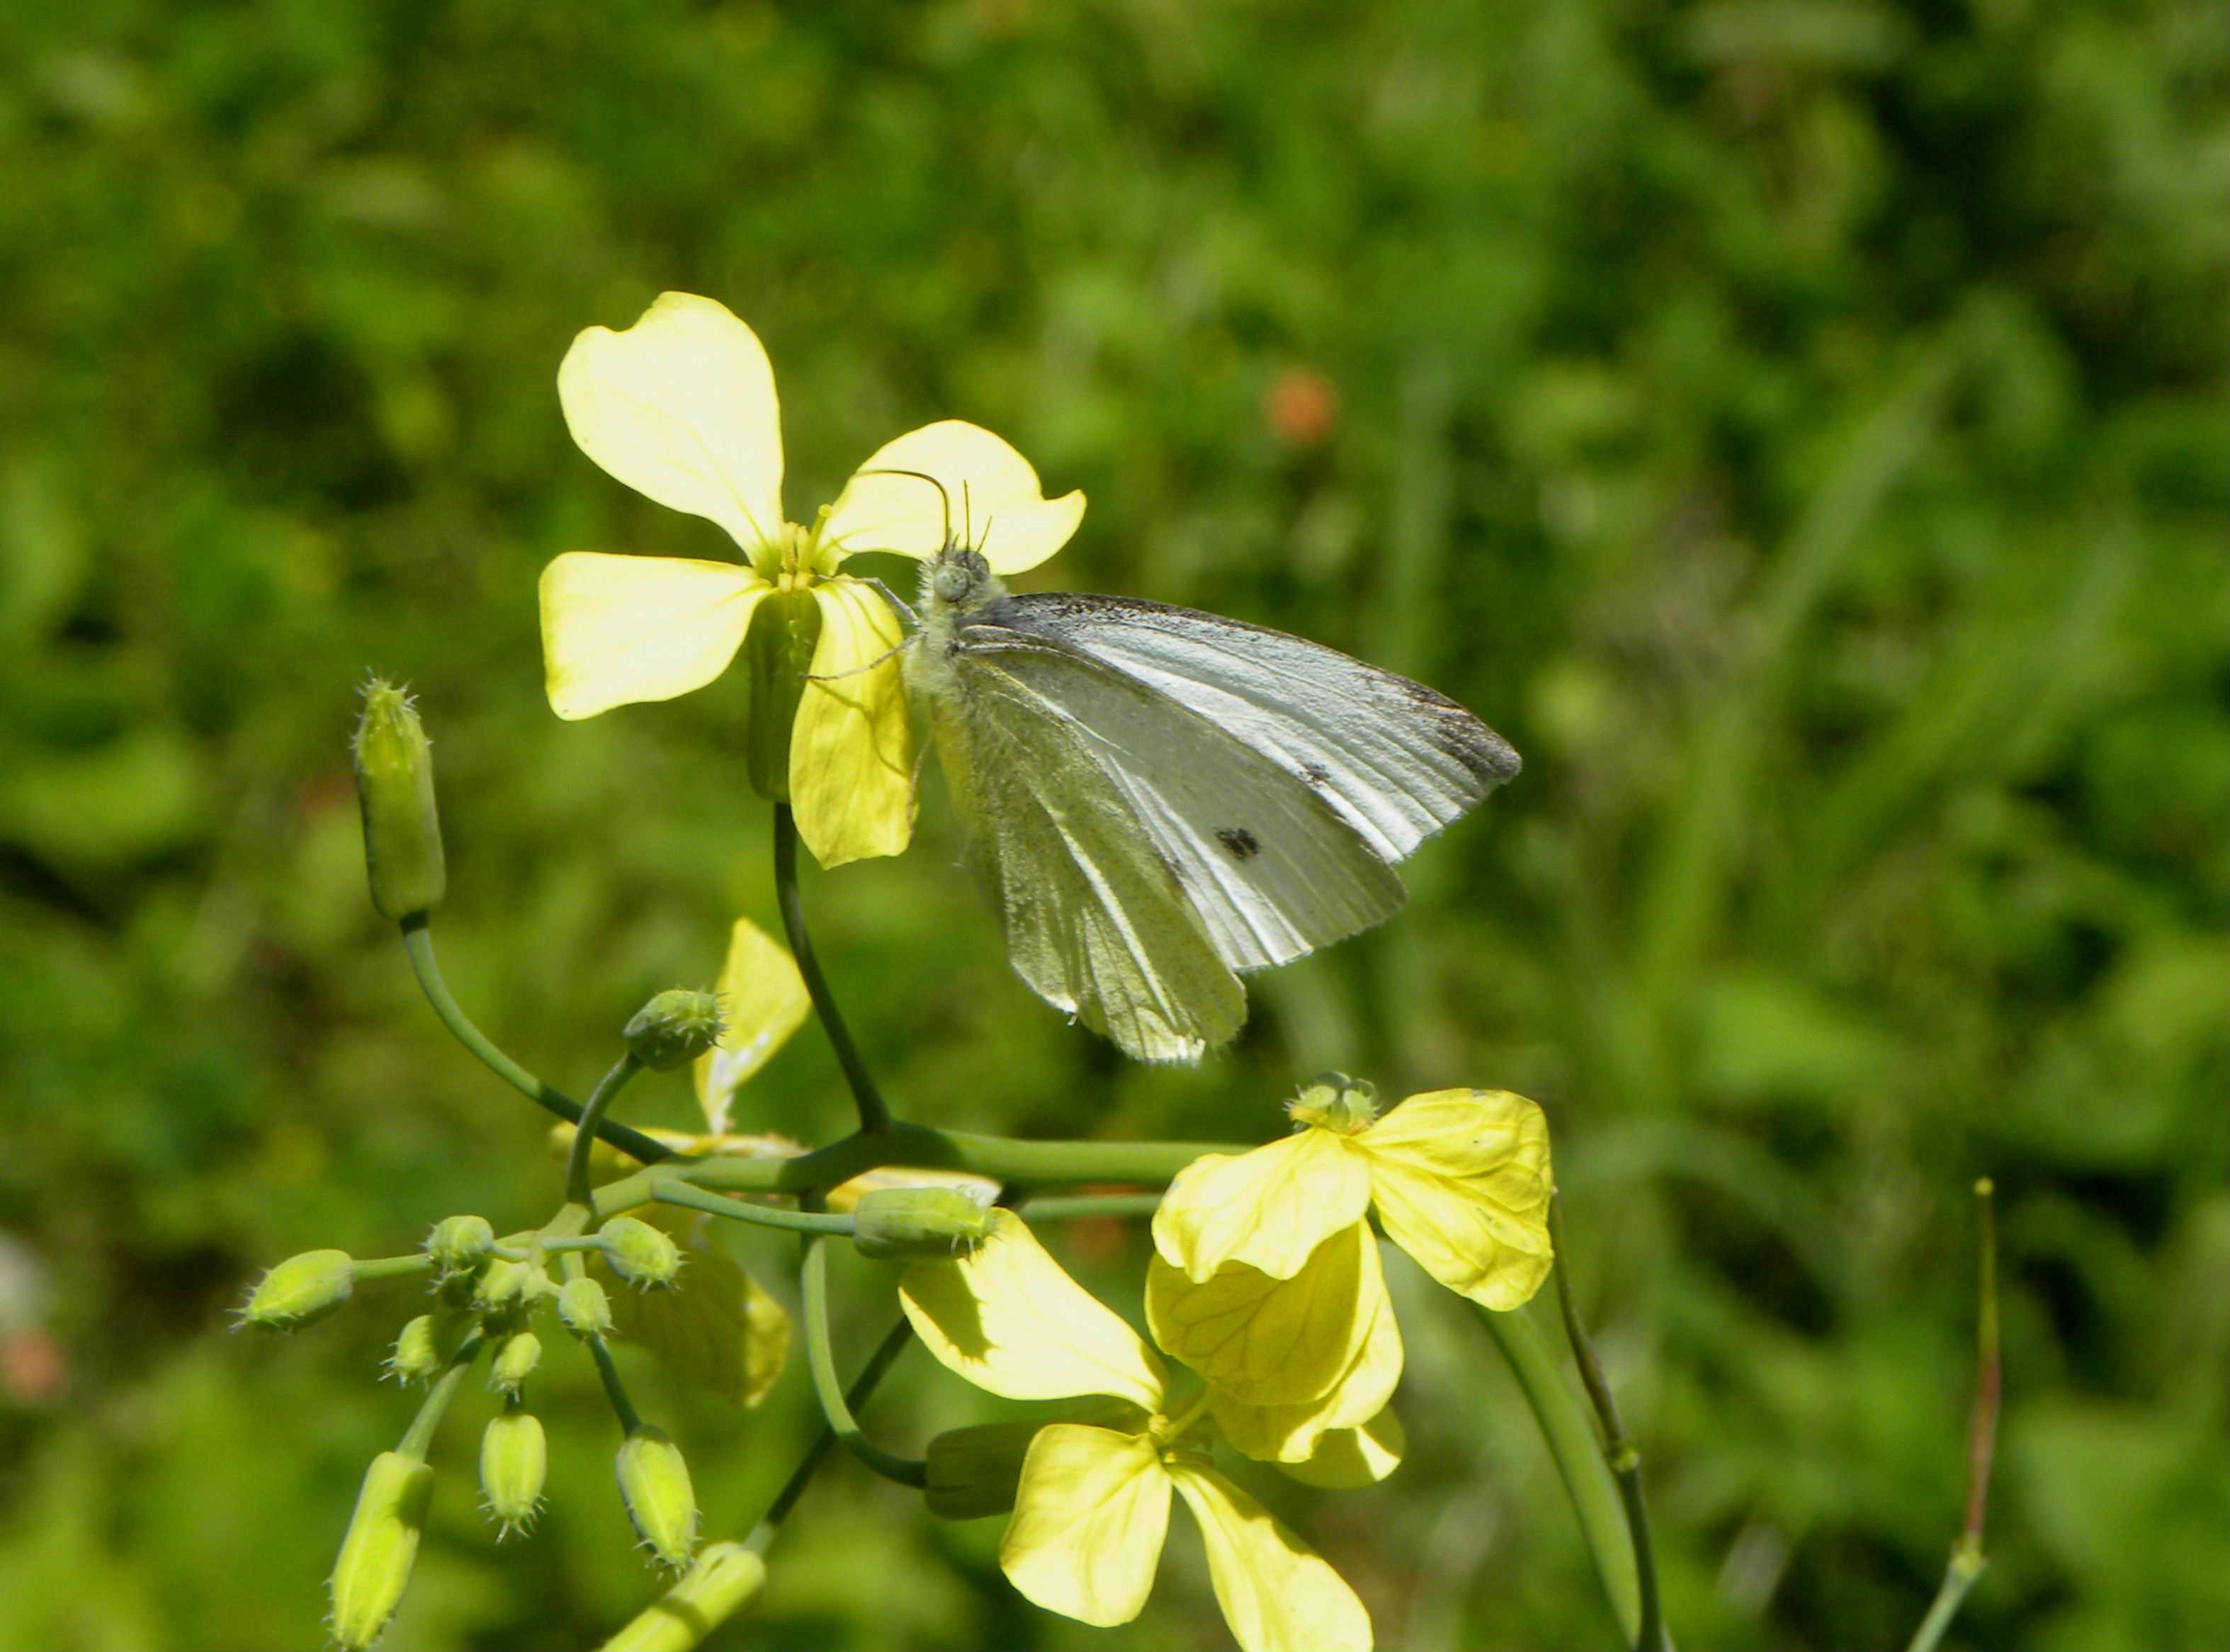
(958, 577)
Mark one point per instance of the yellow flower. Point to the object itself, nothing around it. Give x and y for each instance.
(1460, 1177)
(762, 1000)
(1091, 1509)
(681, 407)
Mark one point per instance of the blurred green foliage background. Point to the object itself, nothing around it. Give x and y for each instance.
(1798, 424)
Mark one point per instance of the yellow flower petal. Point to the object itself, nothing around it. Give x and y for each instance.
(681, 407)
(851, 751)
(1288, 1434)
(1269, 1209)
(996, 502)
(1010, 1320)
(618, 629)
(1347, 1458)
(1091, 1514)
(1277, 1594)
(762, 1000)
(1461, 1181)
(1267, 1341)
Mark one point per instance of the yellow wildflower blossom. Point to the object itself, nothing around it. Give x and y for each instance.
(1460, 1179)
(1091, 1509)
(681, 407)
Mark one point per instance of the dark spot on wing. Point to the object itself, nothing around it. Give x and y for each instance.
(1316, 774)
(1241, 842)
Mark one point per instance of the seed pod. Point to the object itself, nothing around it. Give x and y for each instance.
(394, 786)
(654, 1486)
(300, 1291)
(515, 1465)
(514, 1363)
(583, 1309)
(673, 1028)
(459, 1243)
(723, 1580)
(376, 1556)
(973, 1472)
(779, 653)
(916, 1222)
(638, 1252)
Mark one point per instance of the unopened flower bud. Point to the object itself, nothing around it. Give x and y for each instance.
(584, 1308)
(300, 1290)
(417, 1356)
(724, 1579)
(654, 1486)
(460, 1242)
(973, 1472)
(514, 1466)
(503, 1285)
(376, 1556)
(910, 1222)
(673, 1028)
(514, 1363)
(638, 1252)
(778, 654)
(395, 785)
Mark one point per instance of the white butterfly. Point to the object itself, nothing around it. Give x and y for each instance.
(1158, 797)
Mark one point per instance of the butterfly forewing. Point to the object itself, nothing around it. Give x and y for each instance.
(1396, 759)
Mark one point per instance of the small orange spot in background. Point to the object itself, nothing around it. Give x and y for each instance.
(31, 1367)
(1300, 407)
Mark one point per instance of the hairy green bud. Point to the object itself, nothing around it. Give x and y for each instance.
(673, 1028)
(777, 653)
(514, 1466)
(382, 1544)
(300, 1291)
(460, 1242)
(504, 1286)
(417, 1356)
(973, 1472)
(638, 1252)
(724, 1579)
(654, 1486)
(584, 1308)
(916, 1222)
(395, 785)
(514, 1363)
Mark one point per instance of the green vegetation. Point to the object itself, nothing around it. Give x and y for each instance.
(1797, 424)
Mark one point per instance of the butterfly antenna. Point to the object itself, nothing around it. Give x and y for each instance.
(923, 475)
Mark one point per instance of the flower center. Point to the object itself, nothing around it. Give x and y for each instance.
(793, 558)
(1334, 1101)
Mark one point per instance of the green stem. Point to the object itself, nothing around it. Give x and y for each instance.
(875, 1115)
(1095, 1204)
(1572, 1442)
(418, 942)
(391, 1267)
(673, 1192)
(1967, 1560)
(1618, 1453)
(878, 1362)
(420, 1434)
(615, 1390)
(578, 1190)
(821, 1359)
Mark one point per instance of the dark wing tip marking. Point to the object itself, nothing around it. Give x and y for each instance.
(1242, 843)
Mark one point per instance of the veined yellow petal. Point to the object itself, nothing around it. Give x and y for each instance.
(1267, 1342)
(851, 750)
(1461, 1180)
(1347, 1458)
(1010, 1320)
(1277, 1593)
(681, 407)
(996, 499)
(618, 629)
(1288, 1434)
(762, 1000)
(1091, 1514)
(1270, 1208)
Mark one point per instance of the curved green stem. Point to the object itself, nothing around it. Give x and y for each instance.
(420, 1434)
(418, 942)
(821, 1359)
(1579, 1462)
(885, 1355)
(1092, 1204)
(615, 1390)
(391, 1267)
(1620, 1455)
(592, 1116)
(1967, 1560)
(875, 1114)
(675, 1192)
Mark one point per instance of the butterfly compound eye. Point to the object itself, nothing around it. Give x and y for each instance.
(957, 574)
